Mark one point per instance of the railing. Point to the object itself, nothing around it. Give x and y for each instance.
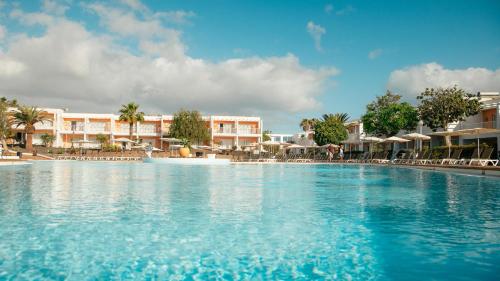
(148, 129)
(353, 138)
(98, 127)
(46, 125)
(225, 130)
(470, 125)
(248, 131)
(79, 126)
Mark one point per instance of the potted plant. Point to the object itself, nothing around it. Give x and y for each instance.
(184, 151)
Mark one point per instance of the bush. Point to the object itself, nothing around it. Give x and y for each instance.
(111, 148)
(467, 150)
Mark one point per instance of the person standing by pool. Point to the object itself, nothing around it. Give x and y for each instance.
(341, 152)
(330, 149)
(1, 151)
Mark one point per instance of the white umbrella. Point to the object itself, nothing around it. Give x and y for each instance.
(123, 140)
(394, 140)
(170, 139)
(202, 147)
(295, 146)
(371, 140)
(416, 136)
(327, 145)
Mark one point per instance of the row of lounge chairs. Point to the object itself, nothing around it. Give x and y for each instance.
(457, 157)
(478, 157)
(99, 158)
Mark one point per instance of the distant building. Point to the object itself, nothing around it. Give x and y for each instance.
(283, 138)
(68, 128)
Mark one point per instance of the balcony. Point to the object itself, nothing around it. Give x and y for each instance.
(470, 125)
(148, 130)
(46, 125)
(98, 127)
(248, 130)
(224, 130)
(353, 138)
(74, 126)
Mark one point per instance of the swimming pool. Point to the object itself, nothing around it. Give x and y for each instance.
(90, 220)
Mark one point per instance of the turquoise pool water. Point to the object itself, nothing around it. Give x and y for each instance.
(87, 221)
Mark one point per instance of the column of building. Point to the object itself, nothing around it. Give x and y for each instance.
(237, 130)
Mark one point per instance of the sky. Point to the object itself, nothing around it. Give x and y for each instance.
(281, 60)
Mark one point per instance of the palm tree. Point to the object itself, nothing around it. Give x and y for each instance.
(47, 139)
(340, 117)
(28, 116)
(129, 113)
(308, 124)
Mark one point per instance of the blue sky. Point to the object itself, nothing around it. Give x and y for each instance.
(362, 48)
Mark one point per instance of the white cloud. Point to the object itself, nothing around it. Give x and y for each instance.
(328, 8)
(9, 67)
(345, 11)
(316, 31)
(31, 18)
(70, 66)
(413, 80)
(54, 7)
(135, 5)
(373, 54)
(178, 17)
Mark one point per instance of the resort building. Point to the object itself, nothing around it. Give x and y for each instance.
(488, 117)
(73, 129)
(283, 138)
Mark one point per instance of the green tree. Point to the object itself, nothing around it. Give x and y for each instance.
(442, 106)
(189, 125)
(130, 113)
(386, 116)
(265, 135)
(329, 130)
(6, 121)
(47, 139)
(28, 116)
(102, 139)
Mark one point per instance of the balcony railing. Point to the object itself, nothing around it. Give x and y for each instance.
(96, 127)
(149, 129)
(353, 138)
(470, 125)
(46, 125)
(225, 130)
(78, 127)
(248, 131)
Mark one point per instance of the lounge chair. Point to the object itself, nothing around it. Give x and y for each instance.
(484, 159)
(455, 157)
(408, 156)
(422, 158)
(381, 158)
(466, 161)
